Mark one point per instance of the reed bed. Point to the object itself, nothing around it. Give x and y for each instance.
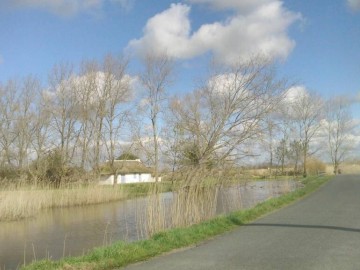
(23, 202)
(194, 201)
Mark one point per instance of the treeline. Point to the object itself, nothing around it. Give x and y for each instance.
(86, 115)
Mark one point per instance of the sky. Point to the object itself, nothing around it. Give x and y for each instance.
(315, 43)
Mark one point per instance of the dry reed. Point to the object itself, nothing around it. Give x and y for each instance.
(199, 197)
(193, 202)
(22, 202)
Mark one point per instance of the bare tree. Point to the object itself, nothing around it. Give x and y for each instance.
(306, 110)
(95, 111)
(18, 121)
(226, 113)
(268, 137)
(155, 79)
(86, 95)
(98, 124)
(62, 108)
(338, 126)
(117, 91)
(40, 142)
(8, 109)
(172, 145)
(294, 154)
(25, 118)
(281, 152)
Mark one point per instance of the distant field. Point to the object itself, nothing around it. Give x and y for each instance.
(345, 169)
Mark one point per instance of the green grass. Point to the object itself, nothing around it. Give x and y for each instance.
(121, 253)
(141, 189)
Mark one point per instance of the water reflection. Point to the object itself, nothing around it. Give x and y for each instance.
(73, 231)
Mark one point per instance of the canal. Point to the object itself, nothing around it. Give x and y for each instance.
(73, 231)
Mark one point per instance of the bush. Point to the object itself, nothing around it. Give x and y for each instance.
(9, 172)
(314, 166)
(51, 169)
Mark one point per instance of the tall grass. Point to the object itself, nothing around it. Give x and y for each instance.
(20, 200)
(26, 201)
(195, 199)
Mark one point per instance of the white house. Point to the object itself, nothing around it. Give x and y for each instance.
(128, 171)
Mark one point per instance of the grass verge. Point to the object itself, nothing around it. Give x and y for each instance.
(121, 253)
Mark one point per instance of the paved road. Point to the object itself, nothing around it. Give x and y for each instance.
(321, 231)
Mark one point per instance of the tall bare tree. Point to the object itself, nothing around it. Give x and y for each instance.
(226, 113)
(8, 110)
(306, 111)
(116, 91)
(87, 99)
(281, 152)
(155, 79)
(174, 141)
(62, 108)
(25, 117)
(42, 132)
(338, 126)
(268, 139)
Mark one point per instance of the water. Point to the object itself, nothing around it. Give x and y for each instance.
(75, 230)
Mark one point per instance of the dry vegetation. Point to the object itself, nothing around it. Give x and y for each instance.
(346, 168)
(196, 195)
(195, 200)
(26, 201)
(315, 166)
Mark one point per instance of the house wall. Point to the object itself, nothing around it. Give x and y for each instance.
(134, 178)
(128, 178)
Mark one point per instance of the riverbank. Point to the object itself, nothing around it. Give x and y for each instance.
(121, 253)
(27, 201)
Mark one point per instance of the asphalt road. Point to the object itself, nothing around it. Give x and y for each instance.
(321, 231)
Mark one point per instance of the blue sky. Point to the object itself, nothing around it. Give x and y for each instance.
(316, 42)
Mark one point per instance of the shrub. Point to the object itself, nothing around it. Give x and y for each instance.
(314, 166)
(51, 169)
(9, 172)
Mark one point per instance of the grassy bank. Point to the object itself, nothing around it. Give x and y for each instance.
(27, 201)
(143, 189)
(121, 254)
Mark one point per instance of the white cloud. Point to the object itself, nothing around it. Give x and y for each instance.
(354, 4)
(64, 7)
(231, 84)
(294, 93)
(78, 88)
(167, 31)
(259, 27)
